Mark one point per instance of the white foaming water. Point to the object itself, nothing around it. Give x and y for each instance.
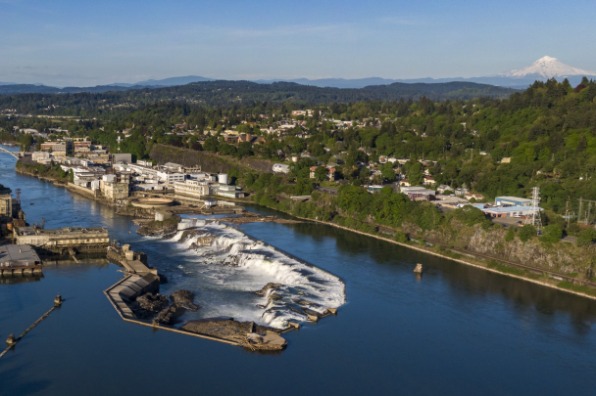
(225, 268)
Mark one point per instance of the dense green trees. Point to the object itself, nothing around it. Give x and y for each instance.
(543, 136)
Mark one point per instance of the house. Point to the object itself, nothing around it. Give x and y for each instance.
(41, 157)
(429, 180)
(58, 149)
(443, 187)
(475, 196)
(418, 193)
(81, 146)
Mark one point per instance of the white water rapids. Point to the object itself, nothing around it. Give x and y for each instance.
(225, 267)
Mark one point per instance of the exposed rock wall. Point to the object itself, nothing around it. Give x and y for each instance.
(560, 257)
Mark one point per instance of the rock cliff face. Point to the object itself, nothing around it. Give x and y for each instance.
(561, 257)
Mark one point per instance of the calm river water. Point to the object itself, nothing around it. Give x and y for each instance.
(456, 331)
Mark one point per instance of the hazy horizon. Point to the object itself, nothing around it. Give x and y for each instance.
(71, 43)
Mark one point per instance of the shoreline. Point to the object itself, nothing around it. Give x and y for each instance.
(482, 265)
(458, 260)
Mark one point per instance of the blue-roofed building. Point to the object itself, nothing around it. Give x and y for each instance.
(512, 201)
(507, 211)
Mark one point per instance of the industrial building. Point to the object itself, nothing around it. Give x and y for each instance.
(512, 201)
(18, 260)
(59, 241)
(507, 211)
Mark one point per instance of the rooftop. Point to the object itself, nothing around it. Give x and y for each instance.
(18, 254)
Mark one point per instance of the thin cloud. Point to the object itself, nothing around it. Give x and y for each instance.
(286, 31)
(400, 21)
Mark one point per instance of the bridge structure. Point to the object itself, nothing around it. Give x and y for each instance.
(3, 150)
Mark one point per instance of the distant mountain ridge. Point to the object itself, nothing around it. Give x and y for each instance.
(172, 81)
(542, 69)
(226, 93)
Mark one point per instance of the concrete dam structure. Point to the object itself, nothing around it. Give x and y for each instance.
(68, 241)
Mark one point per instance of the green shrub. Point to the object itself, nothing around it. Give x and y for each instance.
(526, 232)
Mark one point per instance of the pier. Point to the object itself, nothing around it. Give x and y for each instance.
(12, 341)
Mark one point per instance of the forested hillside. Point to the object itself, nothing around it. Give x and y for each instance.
(92, 101)
(543, 136)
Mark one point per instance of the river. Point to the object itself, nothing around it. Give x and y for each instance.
(457, 330)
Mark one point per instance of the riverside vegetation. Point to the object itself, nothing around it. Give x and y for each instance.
(546, 134)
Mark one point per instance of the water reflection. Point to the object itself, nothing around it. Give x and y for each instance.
(16, 279)
(464, 282)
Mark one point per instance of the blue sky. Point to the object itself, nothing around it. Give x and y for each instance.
(64, 42)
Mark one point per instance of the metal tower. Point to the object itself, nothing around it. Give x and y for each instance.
(585, 214)
(536, 219)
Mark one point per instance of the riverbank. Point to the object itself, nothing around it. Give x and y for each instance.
(491, 264)
(477, 262)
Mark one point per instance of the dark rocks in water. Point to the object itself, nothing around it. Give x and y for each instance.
(265, 290)
(274, 297)
(169, 315)
(147, 305)
(152, 301)
(158, 307)
(184, 299)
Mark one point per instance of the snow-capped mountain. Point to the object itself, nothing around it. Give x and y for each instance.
(549, 67)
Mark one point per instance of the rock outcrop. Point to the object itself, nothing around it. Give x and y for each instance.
(164, 310)
(247, 334)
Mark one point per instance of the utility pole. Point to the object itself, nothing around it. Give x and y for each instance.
(585, 211)
(567, 213)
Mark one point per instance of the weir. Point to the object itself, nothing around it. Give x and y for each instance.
(263, 283)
